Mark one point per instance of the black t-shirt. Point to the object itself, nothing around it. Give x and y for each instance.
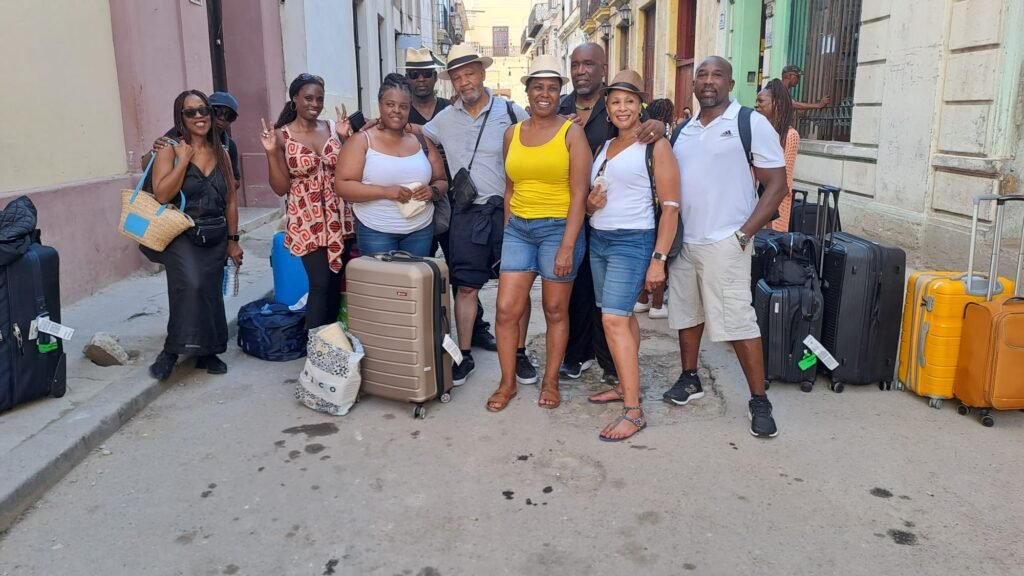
(416, 118)
(599, 128)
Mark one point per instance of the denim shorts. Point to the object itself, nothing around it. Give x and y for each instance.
(372, 241)
(618, 262)
(531, 246)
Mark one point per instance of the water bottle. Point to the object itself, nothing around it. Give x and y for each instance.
(229, 285)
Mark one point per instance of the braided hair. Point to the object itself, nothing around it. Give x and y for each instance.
(394, 82)
(213, 137)
(782, 108)
(663, 110)
(288, 113)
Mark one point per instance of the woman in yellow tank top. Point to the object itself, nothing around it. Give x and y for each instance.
(547, 167)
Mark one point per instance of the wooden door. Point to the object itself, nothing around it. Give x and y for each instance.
(686, 43)
(650, 13)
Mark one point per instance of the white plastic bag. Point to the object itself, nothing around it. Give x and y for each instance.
(330, 380)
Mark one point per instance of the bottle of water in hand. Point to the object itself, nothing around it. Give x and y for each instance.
(229, 285)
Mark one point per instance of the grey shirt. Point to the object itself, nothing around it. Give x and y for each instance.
(455, 130)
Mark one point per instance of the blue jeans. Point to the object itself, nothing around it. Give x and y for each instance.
(371, 241)
(618, 262)
(531, 246)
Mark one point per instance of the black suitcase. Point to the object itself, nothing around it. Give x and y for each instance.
(863, 286)
(786, 316)
(808, 217)
(762, 240)
(30, 368)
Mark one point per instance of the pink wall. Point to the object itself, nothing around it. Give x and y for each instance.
(161, 48)
(254, 57)
(80, 220)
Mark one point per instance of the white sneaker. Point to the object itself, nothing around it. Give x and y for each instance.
(658, 312)
(640, 307)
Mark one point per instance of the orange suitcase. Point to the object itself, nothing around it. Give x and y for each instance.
(398, 307)
(991, 363)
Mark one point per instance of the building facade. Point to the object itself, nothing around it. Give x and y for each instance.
(494, 28)
(100, 83)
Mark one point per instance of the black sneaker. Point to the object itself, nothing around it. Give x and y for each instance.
(574, 369)
(762, 424)
(482, 338)
(462, 371)
(525, 372)
(211, 364)
(162, 367)
(610, 378)
(686, 388)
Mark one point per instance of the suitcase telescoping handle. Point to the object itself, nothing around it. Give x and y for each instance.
(821, 219)
(993, 274)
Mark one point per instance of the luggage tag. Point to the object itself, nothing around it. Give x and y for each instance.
(452, 348)
(807, 361)
(820, 351)
(47, 326)
(33, 330)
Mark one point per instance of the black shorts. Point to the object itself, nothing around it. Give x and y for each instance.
(474, 243)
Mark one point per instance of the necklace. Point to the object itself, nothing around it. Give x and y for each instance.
(591, 107)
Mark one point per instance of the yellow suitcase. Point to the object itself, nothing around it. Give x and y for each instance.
(933, 320)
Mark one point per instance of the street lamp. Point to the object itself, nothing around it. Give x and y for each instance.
(444, 45)
(606, 30)
(625, 15)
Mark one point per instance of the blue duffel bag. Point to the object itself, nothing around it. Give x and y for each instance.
(271, 331)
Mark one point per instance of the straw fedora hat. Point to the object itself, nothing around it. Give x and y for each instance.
(420, 59)
(460, 55)
(545, 66)
(628, 80)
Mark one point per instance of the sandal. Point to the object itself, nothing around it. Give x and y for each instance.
(500, 399)
(620, 397)
(640, 422)
(550, 394)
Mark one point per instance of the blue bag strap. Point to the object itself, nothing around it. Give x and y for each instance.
(37, 282)
(152, 158)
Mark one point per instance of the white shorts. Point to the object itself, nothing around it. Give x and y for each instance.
(710, 284)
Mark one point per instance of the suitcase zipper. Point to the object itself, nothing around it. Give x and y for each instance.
(17, 336)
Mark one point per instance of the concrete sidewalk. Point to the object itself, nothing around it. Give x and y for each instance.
(41, 441)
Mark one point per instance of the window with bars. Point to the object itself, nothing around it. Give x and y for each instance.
(499, 40)
(824, 36)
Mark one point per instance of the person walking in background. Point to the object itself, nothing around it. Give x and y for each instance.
(392, 179)
(709, 283)
(421, 70)
(585, 107)
(302, 152)
(627, 253)
(687, 114)
(775, 104)
(653, 302)
(547, 162)
(470, 130)
(198, 166)
(791, 76)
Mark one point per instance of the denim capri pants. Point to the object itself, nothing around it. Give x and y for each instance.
(618, 262)
(531, 246)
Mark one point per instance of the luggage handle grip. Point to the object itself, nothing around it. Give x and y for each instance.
(993, 276)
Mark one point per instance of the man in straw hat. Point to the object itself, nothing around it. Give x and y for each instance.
(585, 106)
(421, 70)
(709, 283)
(472, 131)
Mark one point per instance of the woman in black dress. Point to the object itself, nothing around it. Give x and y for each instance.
(199, 168)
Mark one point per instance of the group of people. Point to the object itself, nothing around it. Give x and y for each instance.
(592, 191)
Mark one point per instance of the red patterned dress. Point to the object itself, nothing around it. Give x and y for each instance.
(317, 218)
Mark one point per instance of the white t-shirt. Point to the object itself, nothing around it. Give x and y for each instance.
(630, 204)
(386, 170)
(716, 184)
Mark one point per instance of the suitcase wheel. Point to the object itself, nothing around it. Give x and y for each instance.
(887, 385)
(806, 386)
(935, 403)
(986, 420)
(963, 410)
(419, 412)
(445, 398)
(836, 387)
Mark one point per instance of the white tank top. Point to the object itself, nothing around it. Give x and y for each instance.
(630, 206)
(386, 170)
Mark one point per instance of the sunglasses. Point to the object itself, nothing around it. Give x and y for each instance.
(225, 113)
(305, 77)
(202, 112)
(417, 74)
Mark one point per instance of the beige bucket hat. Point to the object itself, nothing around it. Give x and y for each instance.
(460, 55)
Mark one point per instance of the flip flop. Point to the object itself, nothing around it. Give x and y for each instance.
(550, 391)
(640, 422)
(501, 398)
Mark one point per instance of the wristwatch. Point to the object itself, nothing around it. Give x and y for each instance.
(744, 238)
(435, 192)
(659, 256)
(233, 237)
(668, 131)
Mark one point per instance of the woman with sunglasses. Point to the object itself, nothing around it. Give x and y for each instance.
(302, 151)
(198, 168)
(392, 179)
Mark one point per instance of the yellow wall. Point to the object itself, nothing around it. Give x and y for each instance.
(505, 72)
(59, 107)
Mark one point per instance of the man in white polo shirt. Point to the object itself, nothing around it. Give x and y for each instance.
(709, 282)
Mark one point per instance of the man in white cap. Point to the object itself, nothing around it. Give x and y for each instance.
(472, 132)
(421, 70)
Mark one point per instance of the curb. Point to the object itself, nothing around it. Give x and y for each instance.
(24, 477)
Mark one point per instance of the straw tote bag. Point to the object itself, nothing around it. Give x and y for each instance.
(148, 222)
